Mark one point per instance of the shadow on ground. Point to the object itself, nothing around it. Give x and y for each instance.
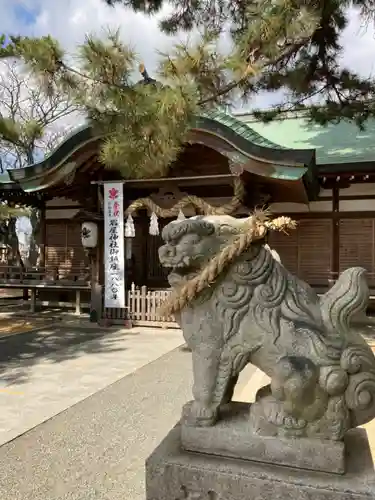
(18, 353)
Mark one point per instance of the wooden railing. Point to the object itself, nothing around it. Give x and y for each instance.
(56, 280)
(11, 276)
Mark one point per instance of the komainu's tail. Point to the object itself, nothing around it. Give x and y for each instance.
(358, 362)
(348, 297)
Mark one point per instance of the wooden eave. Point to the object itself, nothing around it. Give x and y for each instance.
(76, 158)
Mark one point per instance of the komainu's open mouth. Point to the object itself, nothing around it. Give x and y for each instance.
(178, 266)
(180, 274)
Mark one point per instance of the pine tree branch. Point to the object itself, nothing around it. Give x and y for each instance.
(250, 70)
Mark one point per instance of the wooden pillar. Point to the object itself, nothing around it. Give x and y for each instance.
(335, 265)
(143, 223)
(96, 288)
(78, 302)
(43, 236)
(33, 300)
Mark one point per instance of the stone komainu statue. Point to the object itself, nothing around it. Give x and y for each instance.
(252, 310)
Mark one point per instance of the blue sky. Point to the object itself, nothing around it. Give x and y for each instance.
(25, 15)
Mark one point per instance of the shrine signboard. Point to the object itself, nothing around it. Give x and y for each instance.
(114, 287)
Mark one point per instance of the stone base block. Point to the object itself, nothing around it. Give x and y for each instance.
(233, 437)
(175, 474)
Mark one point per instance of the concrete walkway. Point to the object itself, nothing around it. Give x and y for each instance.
(45, 372)
(97, 448)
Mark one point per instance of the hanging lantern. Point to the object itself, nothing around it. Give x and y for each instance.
(181, 216)
(154, 225)
(89, 234)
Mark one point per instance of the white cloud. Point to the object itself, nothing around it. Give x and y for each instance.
(69, 21)
(359, 46)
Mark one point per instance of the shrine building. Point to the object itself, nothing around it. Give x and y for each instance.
(323, 177)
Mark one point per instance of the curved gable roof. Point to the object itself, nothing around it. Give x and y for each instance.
(230, 136)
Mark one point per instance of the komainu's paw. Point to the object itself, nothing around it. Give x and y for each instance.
(198, 415)
(268, 417)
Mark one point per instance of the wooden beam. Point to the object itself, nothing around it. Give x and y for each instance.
(164, 180)
(354, 197)
(32, 300)
(53, 303)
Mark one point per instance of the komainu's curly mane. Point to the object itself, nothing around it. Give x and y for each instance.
(259, 287)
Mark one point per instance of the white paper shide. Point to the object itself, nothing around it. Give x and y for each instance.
(114, 245)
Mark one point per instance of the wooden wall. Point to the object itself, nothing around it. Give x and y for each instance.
(64, 249)
(357, 244)
(334, 233)
(326, 241)
(307, 250)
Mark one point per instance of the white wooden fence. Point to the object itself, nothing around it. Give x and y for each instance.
(143, 308)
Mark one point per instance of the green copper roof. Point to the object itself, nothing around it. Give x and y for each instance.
(334, 144)
(244, 130)
(240, 142)
(5, 178)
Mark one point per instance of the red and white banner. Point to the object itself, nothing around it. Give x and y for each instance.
(114, 262)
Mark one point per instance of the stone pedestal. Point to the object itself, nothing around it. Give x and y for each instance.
(175, 474)
(233, 437)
